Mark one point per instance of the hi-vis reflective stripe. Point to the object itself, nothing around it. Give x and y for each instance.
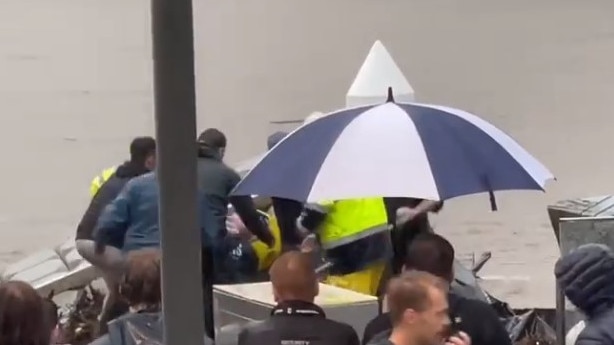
(363, 234)
(99, 180)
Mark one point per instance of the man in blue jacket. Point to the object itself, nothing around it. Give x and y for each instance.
(133, 215)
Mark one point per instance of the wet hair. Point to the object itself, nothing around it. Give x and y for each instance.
(410, 290)
(431, 253)
(293, 274)
(23, 320)
(141, 148)
(213, 138)
(141, 283)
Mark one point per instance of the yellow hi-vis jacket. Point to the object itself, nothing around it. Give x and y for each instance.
(99, 180)
(349, 220)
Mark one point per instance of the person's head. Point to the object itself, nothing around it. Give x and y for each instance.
(141, 283)
(431, 253)
(213, 139)
(143, 152)
(293, 277)
(586, 277)
(418, 307)
(23, 319)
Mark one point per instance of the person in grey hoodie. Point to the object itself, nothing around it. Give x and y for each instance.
(586, 276)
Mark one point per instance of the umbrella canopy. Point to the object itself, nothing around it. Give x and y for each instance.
(394, 150)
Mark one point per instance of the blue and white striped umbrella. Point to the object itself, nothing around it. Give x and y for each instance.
(394, 150)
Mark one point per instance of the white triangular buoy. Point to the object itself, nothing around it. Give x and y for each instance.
(376, 75)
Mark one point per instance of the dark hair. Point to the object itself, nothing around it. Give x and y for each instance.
(141, 283)
(431, 253)
(410, 290)
(23, 320)
(141, 148)
(213, 138)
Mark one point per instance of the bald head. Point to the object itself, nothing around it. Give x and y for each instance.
(293, 277)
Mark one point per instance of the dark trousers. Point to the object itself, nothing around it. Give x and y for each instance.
(208, 275)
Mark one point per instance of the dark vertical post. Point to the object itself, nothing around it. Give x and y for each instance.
(174, 89)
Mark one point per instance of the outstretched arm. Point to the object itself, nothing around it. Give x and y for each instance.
(115, 218)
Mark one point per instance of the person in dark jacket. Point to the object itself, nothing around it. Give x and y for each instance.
(216, 180)
(286, 211)
(419, 312)
(432, 253)
(296, 319)
(408, 217)
(142, 160)
(586, 277)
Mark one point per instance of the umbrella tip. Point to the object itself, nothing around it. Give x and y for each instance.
(390, 98)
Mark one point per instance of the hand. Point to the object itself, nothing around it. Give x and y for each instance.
(461, 338)
(236, 228)
(309, 244)
(406, 214)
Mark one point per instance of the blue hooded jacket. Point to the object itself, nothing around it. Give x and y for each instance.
(586, 276)
(134, 214)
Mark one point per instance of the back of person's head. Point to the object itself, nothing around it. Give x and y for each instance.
(143, 150)
(141, 283)
(586, 276)
(431, 253)
(213, 138)
(23, 320)
(418, 307)
(293, 277)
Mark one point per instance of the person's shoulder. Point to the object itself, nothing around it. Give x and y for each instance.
(598, 330)
(462, 302)
(473, 311)
(144, 179)
(340, 328)
(377, 325)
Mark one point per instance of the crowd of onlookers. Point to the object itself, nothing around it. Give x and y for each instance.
(119, 234)
(419, 308)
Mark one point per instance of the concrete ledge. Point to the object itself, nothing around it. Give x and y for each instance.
(58, 269)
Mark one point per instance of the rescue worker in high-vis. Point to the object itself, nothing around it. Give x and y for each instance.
(99, 180)
(354, 235)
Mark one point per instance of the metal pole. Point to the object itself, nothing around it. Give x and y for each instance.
(174, 89)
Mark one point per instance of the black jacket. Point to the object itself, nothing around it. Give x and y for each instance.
(403, 236)
(216, 180)
(298, 323)
(107, 193)
(476, 318)
(286, 212)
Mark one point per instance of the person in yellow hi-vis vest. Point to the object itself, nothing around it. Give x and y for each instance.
(99, 180)
(354, 235)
